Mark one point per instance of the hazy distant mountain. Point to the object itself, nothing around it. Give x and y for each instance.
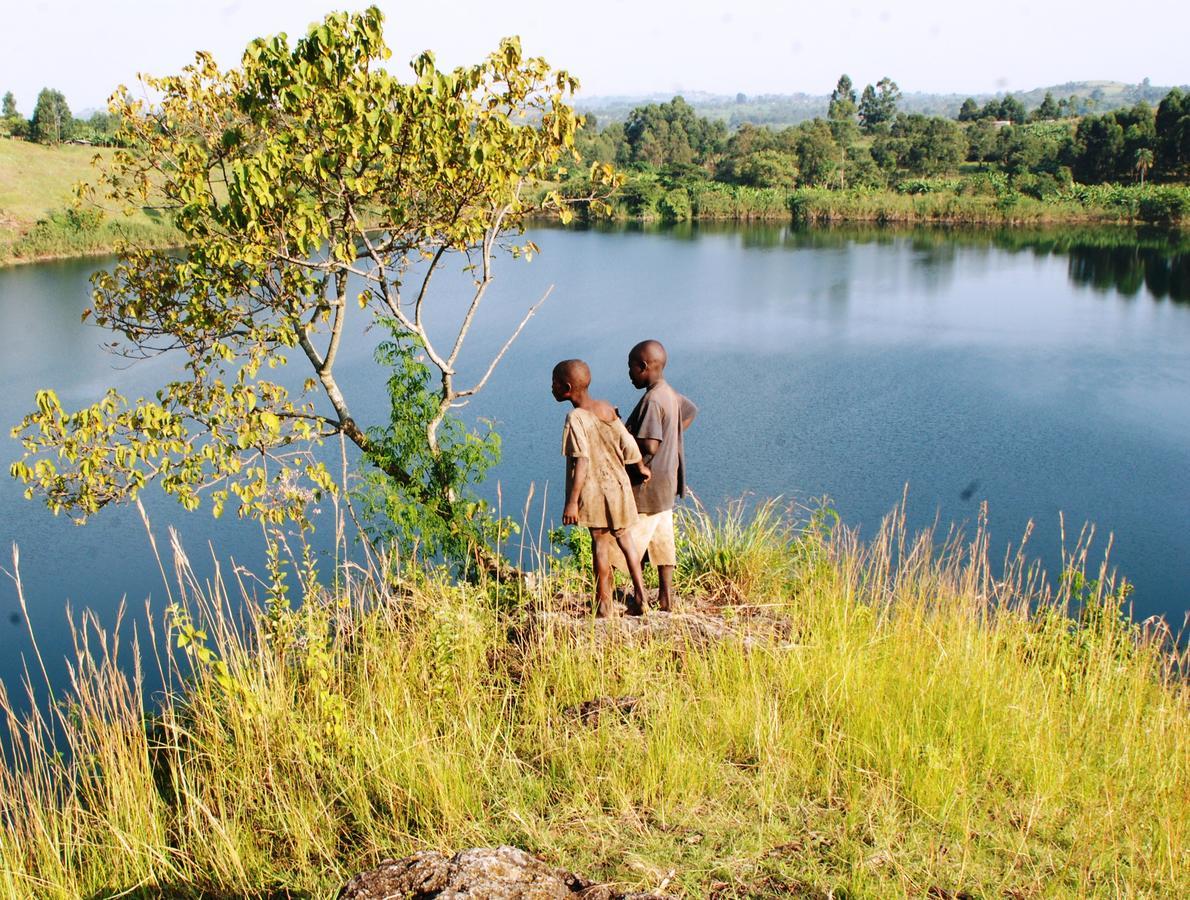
(789, 109)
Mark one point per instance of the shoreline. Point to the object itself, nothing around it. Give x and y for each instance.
(107, 250)
(810, 219)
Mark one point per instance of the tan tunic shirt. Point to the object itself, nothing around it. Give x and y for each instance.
(605, 500)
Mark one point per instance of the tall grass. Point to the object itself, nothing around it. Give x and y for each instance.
(934, 725)
(741, 555)
(55, 238)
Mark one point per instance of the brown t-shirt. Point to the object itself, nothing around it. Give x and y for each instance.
(658, 416)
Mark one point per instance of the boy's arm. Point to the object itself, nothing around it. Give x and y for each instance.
(648, 447)
(688, 413)
(647, 428)
(576, 475)
(633, 461)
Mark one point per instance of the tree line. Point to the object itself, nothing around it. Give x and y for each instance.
(52, 122)
(867, 141)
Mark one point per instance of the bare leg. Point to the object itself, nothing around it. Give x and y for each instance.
(665, 581)
(637, 607)
(603, 574)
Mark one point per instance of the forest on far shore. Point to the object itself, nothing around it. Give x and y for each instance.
(867, 142)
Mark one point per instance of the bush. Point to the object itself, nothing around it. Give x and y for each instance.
(675, 206)
(985, 184)
(1041, 185)
(712, 201)
(80, 218)
(927, 185)
(740, 555)
(1165, 205)
(640, 197)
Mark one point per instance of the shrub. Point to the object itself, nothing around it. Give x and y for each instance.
(1166, 205)
(1041, 185)
(640, 197)
(740, 554)
(927, 185)
(712, 201)
(675, 206)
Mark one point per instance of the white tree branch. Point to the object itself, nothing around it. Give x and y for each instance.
(499, 356)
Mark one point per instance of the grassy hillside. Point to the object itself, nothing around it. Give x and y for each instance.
(36, 183)
(875, 720)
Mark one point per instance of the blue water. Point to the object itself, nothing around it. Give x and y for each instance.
(1041, 373)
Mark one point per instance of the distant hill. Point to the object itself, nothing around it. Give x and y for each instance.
(789, 109)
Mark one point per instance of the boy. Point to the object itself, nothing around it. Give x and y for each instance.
(598, 493)
(658, 423)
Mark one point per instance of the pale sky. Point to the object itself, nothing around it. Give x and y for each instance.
(85, 49)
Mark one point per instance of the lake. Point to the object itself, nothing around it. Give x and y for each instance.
(1039, 371)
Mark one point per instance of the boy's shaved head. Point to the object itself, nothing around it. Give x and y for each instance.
(646, 364)
(574, 372)
(650, 351)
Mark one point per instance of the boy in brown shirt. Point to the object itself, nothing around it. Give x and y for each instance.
(598, 449)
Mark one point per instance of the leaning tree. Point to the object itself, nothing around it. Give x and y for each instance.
(310, 185)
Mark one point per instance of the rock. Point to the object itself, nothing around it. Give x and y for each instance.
(692, 627)
(482, 873)
(589, 712)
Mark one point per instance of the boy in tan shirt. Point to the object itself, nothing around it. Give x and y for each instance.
(598, 449)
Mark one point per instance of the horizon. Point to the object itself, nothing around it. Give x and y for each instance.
(696, 97)
(756, 48)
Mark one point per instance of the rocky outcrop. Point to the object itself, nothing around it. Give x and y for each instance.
(693, 627)
(483, 873)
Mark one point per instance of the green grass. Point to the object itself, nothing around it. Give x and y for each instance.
(912, 727)
(36, 189)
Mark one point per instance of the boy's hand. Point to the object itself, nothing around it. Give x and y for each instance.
(570, 514)
(645, 472)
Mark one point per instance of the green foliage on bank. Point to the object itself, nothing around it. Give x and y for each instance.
(880, 719)
(869, 162)
(979, 198)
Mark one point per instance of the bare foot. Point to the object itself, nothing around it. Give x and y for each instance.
(636, 607)
(605, 610)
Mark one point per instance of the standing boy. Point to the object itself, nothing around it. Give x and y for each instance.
(658, 423)
(598, 493)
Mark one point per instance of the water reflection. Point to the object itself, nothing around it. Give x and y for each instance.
(1123, 259)
(1128, 269)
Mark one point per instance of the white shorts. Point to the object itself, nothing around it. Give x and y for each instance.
(653, 532)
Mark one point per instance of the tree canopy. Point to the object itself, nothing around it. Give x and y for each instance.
(51, 120)
(311, 185)
(1172, 133)
(878, 105)
(658, 134)
(842, 102)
